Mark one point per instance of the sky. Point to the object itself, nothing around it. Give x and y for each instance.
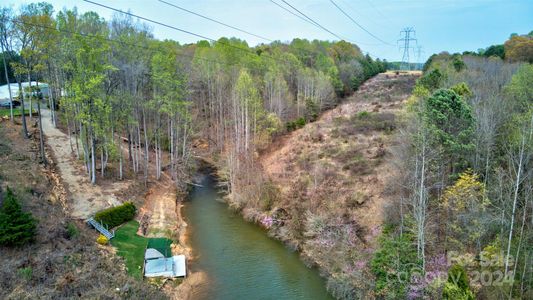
(440, 25)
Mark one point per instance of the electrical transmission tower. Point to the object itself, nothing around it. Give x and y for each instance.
(419, 52)
(404, 43)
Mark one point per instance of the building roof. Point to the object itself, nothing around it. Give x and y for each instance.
(152, 253)
(4, 91)
(164, 267)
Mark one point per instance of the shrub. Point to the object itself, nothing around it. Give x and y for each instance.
(456, 287)
(362, 114)
(102, 240)
(117, 215)
(16, 227)
(462, 89)
(300, 122)
(72, 230)
(366, 122)
(458, 64)
(394, 263)
(432, 80)
(26, 273)
(293, 125)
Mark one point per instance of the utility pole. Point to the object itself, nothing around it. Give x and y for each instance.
(419, 52)
(408, 36)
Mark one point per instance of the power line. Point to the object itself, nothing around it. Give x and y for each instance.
(291, 12)
(356, 11)
(179, 29)
(359, 25)
(185, 31)
(229, 26)
(215, 21)
(406, 46)
(196, 34)
(313, 21)
(151, 50)
(376, 9)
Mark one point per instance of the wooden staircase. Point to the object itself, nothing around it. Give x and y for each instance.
(101, 228)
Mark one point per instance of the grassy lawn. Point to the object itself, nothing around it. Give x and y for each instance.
(4, 112)
(131, 246)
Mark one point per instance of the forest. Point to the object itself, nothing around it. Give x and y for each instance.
(113, 79)
(458, 216)
(465, 180)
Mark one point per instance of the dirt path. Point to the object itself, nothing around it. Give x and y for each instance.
(159, 210)
(84, 199)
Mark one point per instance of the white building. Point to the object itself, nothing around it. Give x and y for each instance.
(4, 90)
(157, 265)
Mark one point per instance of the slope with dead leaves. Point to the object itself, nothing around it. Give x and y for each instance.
(333, 177)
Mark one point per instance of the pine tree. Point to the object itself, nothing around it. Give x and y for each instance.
(16, 227)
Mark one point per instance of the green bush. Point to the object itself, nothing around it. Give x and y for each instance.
(117, 215)
(363, 114)
(458, 64)
(462, 90)
(393, 264)
(456, 287)
(16, 227)
(26, 273)
(432, 80)
(298, 123)
(72, 230)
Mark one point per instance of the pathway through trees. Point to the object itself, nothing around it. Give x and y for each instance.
(84, 199)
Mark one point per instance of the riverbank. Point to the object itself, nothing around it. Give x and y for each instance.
(162, 216)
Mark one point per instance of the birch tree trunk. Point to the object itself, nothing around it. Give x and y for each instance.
(8, 85)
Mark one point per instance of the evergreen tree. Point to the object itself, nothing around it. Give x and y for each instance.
(16, 227)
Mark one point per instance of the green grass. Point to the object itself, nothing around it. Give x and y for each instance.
(131, 247)
(4, 112)
(162, 245)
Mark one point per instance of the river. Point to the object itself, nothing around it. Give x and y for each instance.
(240, 260)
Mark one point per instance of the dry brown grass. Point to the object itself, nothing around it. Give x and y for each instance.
(332, 177)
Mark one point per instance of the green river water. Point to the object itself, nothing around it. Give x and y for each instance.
(240, 260)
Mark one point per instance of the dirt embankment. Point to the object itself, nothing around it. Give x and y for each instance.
(333, 177)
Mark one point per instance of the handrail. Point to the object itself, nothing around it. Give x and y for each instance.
(100, 227)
